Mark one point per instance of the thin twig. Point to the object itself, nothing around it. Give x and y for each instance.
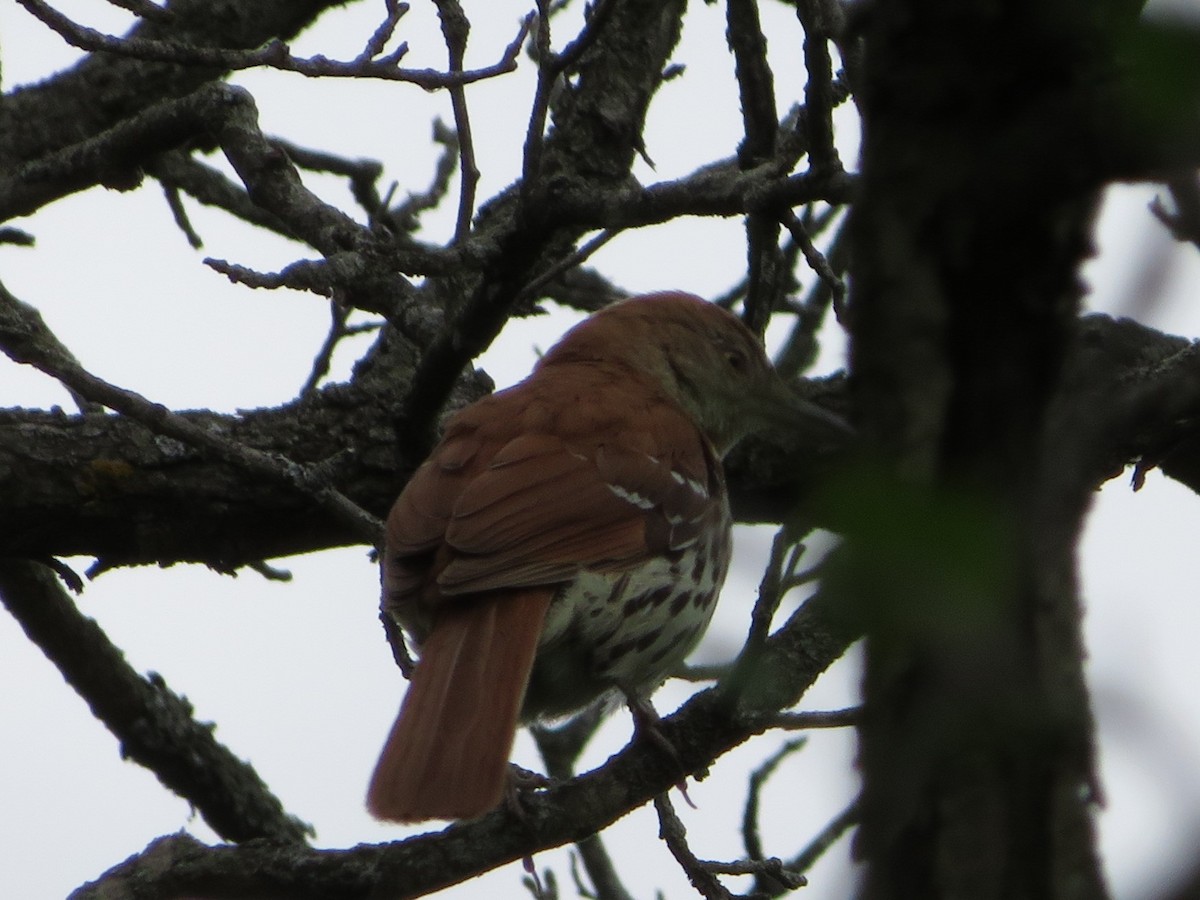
(799, 351)
(177, 171)
(825, 838)
(766, 275)
(456, 28)
(606, 884)
(815, 259)
(819, 98)
(784, 553)
(25, 335)
(361, 173)
(393, 12)
(16, 237)
(552, 68)
(824, 718)
(405, 216)
(274, 54)
(567, 262)
(338, 314)
(674, 835)
(548, 74)
(1184, 221)
(758, 780)
(179, 214)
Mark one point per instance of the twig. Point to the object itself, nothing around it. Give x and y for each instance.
(154, 725)
(767, 885)
(22, 338)
(531, 289)
(405, 215)
(758, 780)
(756, 83)
(785, 553)
(800, 349)
(674, 835)
(338, 314)
(177, 171)
(179, 214)
(16, 237)
(825, 838)
(361, 173)
(268, 571)
(24, 334)
(706, 192)
(334, 277)
(551, 69)
(393, 12)
(548, 74)
(803, 721)
(819, 20)
(1184, 222)
(606, 884)
(815, 259)
(456, 28)
(275, 54)
(766, 280)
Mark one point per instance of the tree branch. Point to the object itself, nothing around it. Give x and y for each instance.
(275, 54)
(153, 724)
(702, 730)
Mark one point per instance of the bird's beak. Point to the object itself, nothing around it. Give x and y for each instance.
(781, 408)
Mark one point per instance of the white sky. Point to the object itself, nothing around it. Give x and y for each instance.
(297, 676)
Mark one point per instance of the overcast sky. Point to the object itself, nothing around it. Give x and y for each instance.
(297, 676)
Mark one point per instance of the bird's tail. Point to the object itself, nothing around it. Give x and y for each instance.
(447, 754)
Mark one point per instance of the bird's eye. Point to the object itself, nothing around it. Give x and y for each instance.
(736, 360)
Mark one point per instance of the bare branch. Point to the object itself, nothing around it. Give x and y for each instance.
(179, 214)
(531, 290)
(275, 54)
(671, 830)
(825, 838)
(1184, 222)
(378, 40)
(820, 20)
(803, 721)
(815, 259)
(767, 278)
(456, 28)
(758, 781)
(552, 67)
(154, 725)
(22, 338)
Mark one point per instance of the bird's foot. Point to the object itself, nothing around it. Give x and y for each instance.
(648, 726)
(521, 782)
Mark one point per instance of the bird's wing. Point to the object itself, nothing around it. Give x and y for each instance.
(534, 494)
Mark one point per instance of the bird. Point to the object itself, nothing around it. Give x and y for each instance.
(565, 541)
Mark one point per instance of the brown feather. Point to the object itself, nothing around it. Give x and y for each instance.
(447, 754)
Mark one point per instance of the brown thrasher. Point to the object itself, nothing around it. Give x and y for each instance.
(565, 541)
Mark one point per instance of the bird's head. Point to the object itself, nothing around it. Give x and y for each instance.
(701, 355)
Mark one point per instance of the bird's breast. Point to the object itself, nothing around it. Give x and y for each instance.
(629, 629)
